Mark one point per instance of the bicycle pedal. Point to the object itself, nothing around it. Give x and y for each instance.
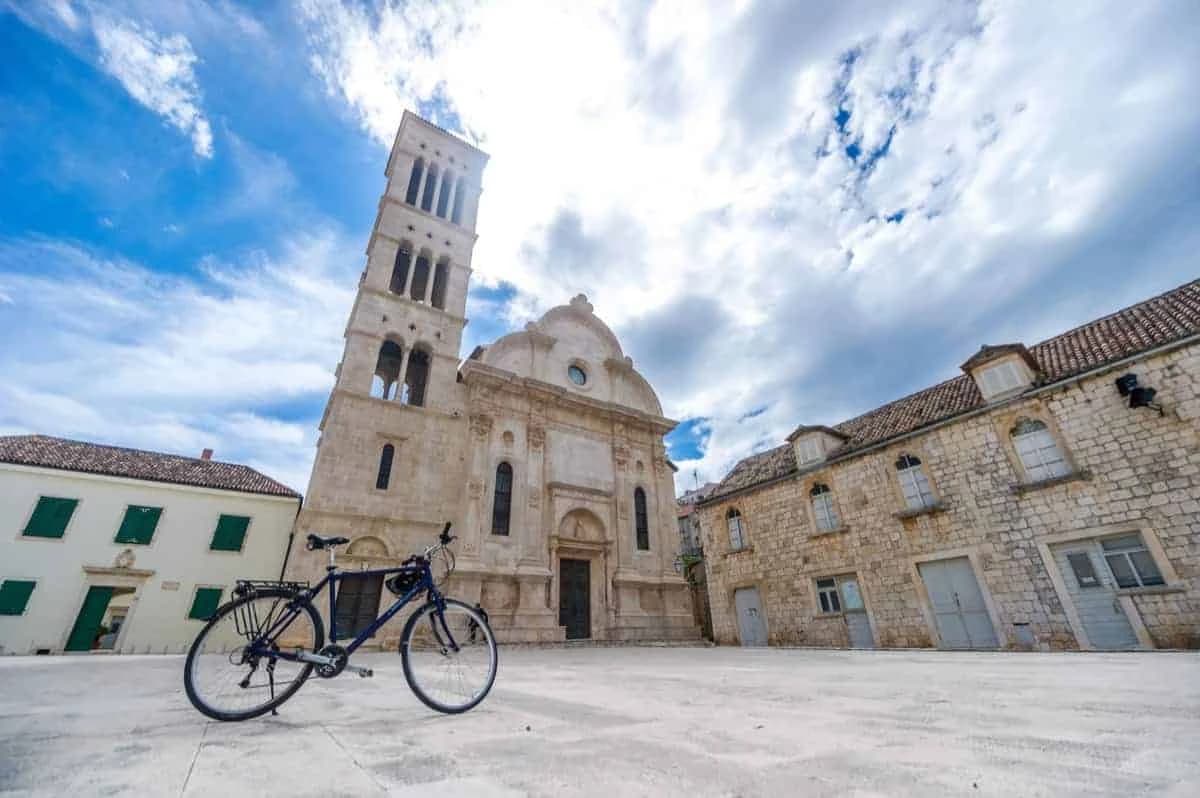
(366, 673)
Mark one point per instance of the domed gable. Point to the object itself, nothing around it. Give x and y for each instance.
(570, 347)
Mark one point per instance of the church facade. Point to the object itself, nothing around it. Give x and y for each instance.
(545, 448)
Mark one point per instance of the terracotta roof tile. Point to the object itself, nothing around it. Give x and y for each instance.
(92, 458)
(1155, 322)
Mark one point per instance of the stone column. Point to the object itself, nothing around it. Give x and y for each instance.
(472, 533)
(533, 536)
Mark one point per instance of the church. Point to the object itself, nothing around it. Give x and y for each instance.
(544, 448)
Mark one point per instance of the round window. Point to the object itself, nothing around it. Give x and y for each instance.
(577, 375)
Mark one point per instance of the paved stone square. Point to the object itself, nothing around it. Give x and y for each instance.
(627, 721)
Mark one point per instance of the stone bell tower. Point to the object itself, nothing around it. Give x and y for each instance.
(389, 458)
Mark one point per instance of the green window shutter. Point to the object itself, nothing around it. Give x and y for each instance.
(14, 595)
(205, 603)
(138, 525)
(231, 531)
(50, 517)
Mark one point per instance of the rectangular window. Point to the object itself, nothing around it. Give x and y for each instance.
(1130, 562)
(1001, 378)
(231, 533)
(14, 595)
(737, 540)
(138, 525)
(827, 594)
(1040, 455)
(50, 517)
(810, 450)
(915, 485)
(1085, 573)
(205, 603)
(827, 520)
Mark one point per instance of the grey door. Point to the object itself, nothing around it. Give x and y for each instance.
(751, 626)
(958, 607)
(574, 598)
(857, 623)
(1093, 591)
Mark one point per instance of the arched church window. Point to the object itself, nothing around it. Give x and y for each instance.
(444, 194)
(385, 467)
(440, 276)
(400, 270)
(420, 278)
(502, 500)
(641, 522)
(416, 377)
(430, 187)
(459, 195)
(414, 182)
(386, 381)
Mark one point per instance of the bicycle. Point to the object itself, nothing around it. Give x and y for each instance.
(257, 650)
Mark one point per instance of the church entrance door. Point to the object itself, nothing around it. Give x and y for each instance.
(574, 589)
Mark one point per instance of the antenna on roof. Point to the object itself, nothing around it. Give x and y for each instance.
(696, 478)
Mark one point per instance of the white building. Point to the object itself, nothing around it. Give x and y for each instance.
(111, 549)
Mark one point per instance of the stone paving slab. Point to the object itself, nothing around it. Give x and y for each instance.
(624, 722)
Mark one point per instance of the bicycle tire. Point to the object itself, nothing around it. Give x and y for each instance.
(406, 657)
(306, 670)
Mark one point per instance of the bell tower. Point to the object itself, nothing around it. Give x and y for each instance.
(388, 457)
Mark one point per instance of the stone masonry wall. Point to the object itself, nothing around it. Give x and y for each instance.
(1137, 471)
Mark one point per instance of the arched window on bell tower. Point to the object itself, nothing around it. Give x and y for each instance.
(420, 278)
(441, 276)
(416, 377)
(431, 180)
(400, 269)
(386, 381)
(414, 182)
(444, 195)
(460, 193)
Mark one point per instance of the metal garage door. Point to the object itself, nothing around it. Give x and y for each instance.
(751, 626)
(958, 607)
(1093, 591)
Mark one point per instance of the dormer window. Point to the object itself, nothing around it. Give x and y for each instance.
(1000, 378)
(812, 444)
(808, 450)
(1002, 371)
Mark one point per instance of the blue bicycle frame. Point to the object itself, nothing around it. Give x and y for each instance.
(262, 647)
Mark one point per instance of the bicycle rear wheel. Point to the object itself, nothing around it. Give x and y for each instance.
(225, 682)
(449, 657)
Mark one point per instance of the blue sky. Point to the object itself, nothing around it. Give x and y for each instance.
(789, 213)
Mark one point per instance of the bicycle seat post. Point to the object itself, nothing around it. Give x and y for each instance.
(332, 559)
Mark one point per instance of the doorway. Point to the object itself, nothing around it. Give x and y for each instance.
(1093, 589)
(100, 618)
(958, 607)
(751, 626)
(574, 602)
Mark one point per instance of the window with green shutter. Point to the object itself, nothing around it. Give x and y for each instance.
(50, 517)
(205, 603)
(138, 525)
(14, 595)
(231, 531)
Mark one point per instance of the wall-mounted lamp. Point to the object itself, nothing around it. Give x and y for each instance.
(1127, 385)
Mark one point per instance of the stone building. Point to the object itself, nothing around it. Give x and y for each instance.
(545, 449)
(1045, 499)
(111, 550)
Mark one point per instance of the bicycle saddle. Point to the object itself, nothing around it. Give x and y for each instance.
(316, 542)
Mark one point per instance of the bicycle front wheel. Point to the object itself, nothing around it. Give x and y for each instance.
(225, 680)
(449, 657)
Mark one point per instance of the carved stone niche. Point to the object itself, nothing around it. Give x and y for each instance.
(621, 452)
(537, 437)
(475, 489)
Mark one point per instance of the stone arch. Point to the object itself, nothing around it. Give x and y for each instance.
(581, 524)
(367, 546)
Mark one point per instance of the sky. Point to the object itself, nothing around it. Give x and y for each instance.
(789, 213)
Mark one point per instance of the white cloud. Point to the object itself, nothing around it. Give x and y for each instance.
(158, 71)
(136, 357)
(684, 165)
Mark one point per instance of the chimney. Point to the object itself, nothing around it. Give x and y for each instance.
(206, 454)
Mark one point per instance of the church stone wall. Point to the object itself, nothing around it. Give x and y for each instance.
(1138, 472)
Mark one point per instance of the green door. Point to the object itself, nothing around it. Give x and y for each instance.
(90, 616)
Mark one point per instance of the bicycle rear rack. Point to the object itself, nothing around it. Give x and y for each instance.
(247, 586)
